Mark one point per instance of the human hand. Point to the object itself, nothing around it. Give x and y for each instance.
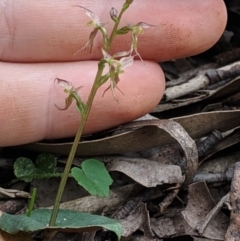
(38, 42)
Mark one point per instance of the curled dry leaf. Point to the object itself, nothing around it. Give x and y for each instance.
(201, 227)
(146, 136)
(200, 203)
(188, 145)
(166, 227)
(138, 219)
(145, 172)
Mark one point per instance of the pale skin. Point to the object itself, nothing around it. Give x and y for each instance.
(38, 40)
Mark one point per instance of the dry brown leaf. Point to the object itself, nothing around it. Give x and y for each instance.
(233, 231)
(200, 203)
(174, 226)
(138, 219)
(94, 204)
(188, 145)
(146, 172)
(181, 226)
(163, 227)
(201, 227)
(147, 137)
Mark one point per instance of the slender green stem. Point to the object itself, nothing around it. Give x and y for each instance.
(74, 146)
(32, 201)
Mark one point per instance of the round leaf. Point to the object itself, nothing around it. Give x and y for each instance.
(24, 168)
(46, 163)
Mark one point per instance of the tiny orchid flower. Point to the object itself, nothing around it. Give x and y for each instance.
(125, 62)
(116, 67)
(72, 94)
(95, 22)
(67, 85)
(135, 31)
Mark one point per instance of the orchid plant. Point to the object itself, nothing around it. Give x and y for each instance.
(116, 63)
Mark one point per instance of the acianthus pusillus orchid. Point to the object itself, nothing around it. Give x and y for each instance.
(117, 63)
(116, 67)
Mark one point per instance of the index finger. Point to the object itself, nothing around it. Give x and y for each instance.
(50, 31)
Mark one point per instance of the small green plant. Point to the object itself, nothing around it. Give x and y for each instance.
(43, 168)
(92, 175)
(116, 63)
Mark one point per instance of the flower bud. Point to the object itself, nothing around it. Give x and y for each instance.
(113, 14)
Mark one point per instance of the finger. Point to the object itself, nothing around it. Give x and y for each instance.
(45, 31)
(28, 96)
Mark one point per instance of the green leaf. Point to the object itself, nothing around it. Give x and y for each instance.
(123, 30)
(66, 219)
(45, 163)
(80, 107)
(79, 104)
(94, 177)
(24, 167)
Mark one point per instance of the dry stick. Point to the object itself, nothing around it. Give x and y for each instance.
(202, 81)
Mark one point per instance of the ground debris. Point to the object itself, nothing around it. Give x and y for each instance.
(176, 173)
(233, 232)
